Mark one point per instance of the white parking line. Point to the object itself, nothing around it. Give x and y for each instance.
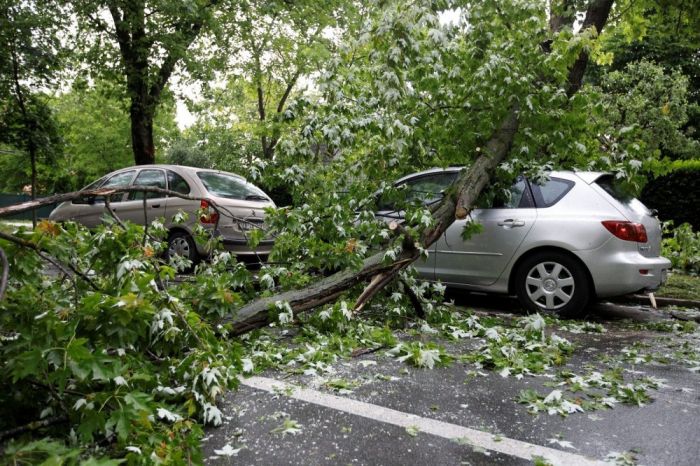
(446, 430)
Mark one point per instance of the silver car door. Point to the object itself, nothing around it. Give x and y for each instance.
(94, 210)
(480, 259)
(132, 209)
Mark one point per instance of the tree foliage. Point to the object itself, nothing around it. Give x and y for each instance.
(29, 62)
(651, 105)
(666, 33)
(118, 354)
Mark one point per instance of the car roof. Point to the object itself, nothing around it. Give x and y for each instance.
(587, 177)
(178, 167)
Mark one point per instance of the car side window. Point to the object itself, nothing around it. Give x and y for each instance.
(429, 189)
(120, 180)
(152, 178)
(551, 191)
(426, 189)
(177, 183)
(518, 196)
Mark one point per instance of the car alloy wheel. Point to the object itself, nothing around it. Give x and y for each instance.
(182, 244)
(550, 285)
(552, 282)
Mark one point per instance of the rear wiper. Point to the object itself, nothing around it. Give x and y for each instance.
(255, 197)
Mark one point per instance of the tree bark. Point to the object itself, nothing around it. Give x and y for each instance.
(58, 198)
(141, 132)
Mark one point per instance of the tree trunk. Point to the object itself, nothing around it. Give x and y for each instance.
(144, 85)
(596, 16)
(142, 132)
(29, 123)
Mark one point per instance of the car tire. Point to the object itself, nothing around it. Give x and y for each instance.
(180, 243)
(552, 282)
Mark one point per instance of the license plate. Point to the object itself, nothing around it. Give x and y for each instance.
(248, 226)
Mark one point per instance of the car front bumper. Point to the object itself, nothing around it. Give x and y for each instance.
(617, 272)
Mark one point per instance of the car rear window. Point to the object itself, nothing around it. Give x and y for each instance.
(615, 189)
(231, 187)
(622, 194)
(551, 191)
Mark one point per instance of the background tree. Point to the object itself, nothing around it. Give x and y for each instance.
(667, 34)
(651, 104)
(29, 63)
(94, 146)
(140, 47)
(269, 55)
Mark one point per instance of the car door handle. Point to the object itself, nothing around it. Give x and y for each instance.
(510, 223)
(155, 206)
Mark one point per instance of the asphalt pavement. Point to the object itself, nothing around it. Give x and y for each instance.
(396, 414)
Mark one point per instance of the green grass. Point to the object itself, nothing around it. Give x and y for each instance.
(681, 286)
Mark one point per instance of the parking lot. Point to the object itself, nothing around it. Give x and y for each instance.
(388, 412)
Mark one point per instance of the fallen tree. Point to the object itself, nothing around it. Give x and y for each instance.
(456, 205)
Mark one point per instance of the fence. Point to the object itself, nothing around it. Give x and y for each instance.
(10, 199)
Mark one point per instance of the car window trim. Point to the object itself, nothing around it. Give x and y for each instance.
(530, 197)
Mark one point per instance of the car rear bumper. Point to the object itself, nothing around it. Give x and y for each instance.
(240, 247)
(618, 272)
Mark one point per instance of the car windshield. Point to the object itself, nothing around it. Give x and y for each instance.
(231, 187)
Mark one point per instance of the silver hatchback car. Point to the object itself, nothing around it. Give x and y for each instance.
(555, 245)
(241, 207)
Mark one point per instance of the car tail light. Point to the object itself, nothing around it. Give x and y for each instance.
(627, 231)
(209, 214)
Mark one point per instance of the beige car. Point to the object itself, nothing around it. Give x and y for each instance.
(241, 207)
